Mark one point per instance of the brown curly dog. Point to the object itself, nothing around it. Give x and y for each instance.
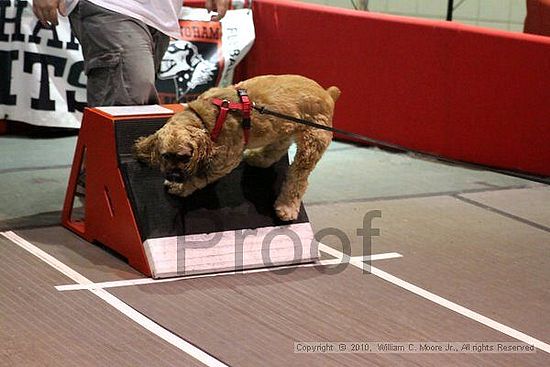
(190, 160)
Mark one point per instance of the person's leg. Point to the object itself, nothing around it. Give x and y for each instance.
(120, 56)
(160, 45)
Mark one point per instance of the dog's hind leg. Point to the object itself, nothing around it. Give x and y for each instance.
(311, 146)
(268, 155)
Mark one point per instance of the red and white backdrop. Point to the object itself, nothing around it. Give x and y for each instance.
(41, 69)
(457, 91)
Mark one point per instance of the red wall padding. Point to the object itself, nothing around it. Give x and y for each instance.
(462, 92)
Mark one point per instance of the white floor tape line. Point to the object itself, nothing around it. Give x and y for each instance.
(439, 300)
(144, 281)
(115, 302)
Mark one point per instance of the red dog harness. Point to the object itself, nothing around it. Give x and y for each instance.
(244, 106)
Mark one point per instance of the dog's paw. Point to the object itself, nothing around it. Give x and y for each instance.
(174, 188)
(287, 212)
(179, 189)
(256, 158)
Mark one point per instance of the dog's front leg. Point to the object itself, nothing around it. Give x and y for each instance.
(188, 187)
(225, 165)
(179, 189)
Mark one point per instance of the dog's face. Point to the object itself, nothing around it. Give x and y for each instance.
(180, 152)
(175, 161)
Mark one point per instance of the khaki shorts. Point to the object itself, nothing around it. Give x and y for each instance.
(121, 56)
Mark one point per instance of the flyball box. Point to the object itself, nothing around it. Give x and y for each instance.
(230, 225)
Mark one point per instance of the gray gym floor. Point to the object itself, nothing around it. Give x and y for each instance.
(474, 267)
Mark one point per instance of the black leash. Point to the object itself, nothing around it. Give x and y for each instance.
(265, 111)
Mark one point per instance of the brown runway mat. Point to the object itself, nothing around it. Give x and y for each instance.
(482, 260)
(255, 319)
(40, 326)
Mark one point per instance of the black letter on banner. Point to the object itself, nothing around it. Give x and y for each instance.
(72, 104)
(73, 44)
(75, 72)
(6, 59)
(17, 35)
(55, 42)
(44, 102)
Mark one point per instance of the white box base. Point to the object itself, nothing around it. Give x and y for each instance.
(230, 250)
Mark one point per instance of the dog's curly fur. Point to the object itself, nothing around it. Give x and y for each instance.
(190, 160)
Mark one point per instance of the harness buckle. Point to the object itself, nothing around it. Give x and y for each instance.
(246, 111)
(245, 107)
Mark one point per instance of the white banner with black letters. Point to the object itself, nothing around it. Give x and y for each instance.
(42, 81)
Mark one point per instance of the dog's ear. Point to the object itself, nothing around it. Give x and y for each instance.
(203, 152)
(146, 150)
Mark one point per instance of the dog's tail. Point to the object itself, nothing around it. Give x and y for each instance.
(334, 93)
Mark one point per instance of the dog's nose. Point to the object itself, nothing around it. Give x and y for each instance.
(174, 176)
